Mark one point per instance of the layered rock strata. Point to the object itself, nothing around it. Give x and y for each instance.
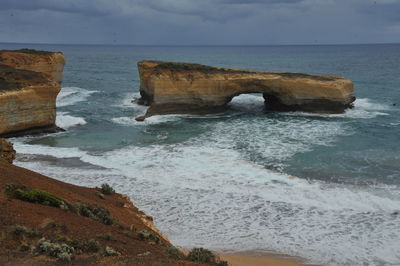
(7, 152)
(170, 87)
(29, 84)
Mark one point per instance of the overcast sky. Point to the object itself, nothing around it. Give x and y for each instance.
(200, 22)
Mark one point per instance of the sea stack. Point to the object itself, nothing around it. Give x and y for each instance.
(30, 81)
(173, 88)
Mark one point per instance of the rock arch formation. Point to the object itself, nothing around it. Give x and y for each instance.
(170, 87)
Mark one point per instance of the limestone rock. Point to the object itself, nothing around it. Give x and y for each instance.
(48, 63)
(169, 87)
(27, 97)
(7, 152)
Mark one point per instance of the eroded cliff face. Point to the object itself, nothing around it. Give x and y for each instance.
(28, 96)
(170, 87)
(7, 152)
(48, 63)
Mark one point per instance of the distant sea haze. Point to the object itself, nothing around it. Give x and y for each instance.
(322, 187)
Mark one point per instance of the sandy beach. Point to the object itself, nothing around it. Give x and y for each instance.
(251, 259)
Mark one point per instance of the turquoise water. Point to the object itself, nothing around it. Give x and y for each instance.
(324, 187)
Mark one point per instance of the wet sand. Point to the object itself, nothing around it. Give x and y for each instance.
(260, 259)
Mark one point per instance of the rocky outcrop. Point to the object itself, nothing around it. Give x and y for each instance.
(49, 63)
(169, 87)
(7, 152)
(29, 84)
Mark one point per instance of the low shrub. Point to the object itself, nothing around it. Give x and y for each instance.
(147, 253)
(100, 195)
(63, 252)
(20, 230)
(109, 251)
(205, 256)
(32, 51)
(11, 188)
(90, 246)
(173, 253)
(67, 240)
(97, 213)
(107, 237)
(106, 189)
(223, 263)
(24, 247)
(128, 233)
(201, 255)
(38, 196)
(146, 235)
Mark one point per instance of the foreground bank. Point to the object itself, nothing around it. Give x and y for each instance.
(44, 221)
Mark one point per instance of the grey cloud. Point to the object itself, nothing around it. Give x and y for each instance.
(199, 21)
(89, 7)
(261, 1)
(388, 10)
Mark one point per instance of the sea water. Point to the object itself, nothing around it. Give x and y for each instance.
(323, 187)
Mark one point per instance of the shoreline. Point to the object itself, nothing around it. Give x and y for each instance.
(255, 258)
(248, 258)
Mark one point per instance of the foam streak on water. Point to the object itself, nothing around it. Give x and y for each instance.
(72, 95)
(201, 192)
(216, 190)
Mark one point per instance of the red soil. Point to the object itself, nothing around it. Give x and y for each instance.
(55, 223)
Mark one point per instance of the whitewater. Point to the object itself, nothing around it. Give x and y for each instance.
(322, 187)
(203, 193)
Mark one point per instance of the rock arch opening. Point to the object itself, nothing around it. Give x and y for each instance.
(170, 87)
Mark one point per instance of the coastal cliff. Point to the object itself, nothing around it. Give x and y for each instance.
(170, 87)
(29, 84)
(7, 152)
(44, 221)
(49, 63)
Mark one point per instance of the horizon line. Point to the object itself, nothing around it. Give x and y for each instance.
(196, 45)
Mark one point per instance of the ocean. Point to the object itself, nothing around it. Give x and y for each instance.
(322, 187)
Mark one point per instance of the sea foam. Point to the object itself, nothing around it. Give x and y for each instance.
(215, 191)
(66, 121)
(72, 95)
(203, 191)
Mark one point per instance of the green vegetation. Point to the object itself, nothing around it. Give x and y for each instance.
(178, 66)
(109, 251)
(173, 253)
(24, 247)
(97, 213)
(10, 189)
(147, 253)
(100, 195)
(20, 230)
(63, 252)
(205, 256)
(38, 196)
(30, 51)
(90, 246)
(106, 189)
(307, 76)
(201, 255)
(12, 79)
(42, 197)
(146, 235)
(106, 237)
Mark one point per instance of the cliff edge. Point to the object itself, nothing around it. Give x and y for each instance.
(172, 87)
(30, 81)
(48, 222)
